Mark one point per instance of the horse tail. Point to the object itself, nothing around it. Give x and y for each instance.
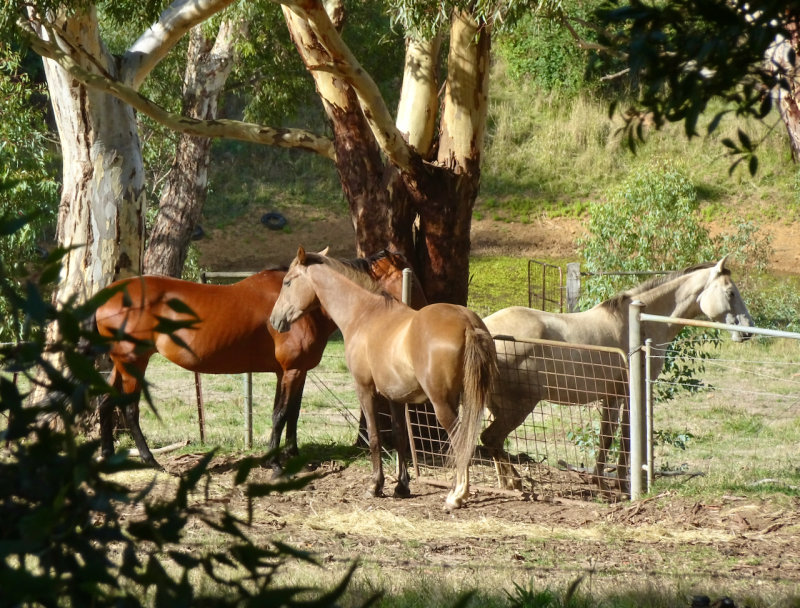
(480, 375)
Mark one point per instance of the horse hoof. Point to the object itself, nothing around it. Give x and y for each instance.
(373, 494)
(275, 467)
(451, 504)
(402, 492)
(154, 464)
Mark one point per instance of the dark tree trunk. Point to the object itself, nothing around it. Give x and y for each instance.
(181, 204)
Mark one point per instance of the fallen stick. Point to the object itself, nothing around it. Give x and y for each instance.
(678, 473)
(776, 482)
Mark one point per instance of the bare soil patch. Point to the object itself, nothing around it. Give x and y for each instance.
(249, 245)
(732, 546)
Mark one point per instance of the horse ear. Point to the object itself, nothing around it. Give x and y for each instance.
(301, 255)
(721, 264)
(324, 252)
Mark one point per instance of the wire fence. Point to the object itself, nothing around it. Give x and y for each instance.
(558, 405)
(737, 424)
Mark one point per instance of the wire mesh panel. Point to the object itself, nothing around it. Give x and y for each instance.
(556, 414)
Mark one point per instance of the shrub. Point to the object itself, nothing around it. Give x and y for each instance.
(539, 49)
(650, 224)
(63, 540)
(27, 178)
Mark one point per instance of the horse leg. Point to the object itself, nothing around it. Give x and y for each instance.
(130, 381)
(294, 381)
(367, 399)
(285, 413)
(447, 415)
(105, 410)
(506, 419)
(400, 437)
(128, 384)
(131, 411)
(609, 414)
(623, 482)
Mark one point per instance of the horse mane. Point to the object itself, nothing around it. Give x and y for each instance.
(621, 300)
(357, 270)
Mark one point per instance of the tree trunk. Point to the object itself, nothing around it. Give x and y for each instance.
(100, 219)
(449, 192)
(392, 190)
(784, 55)
(208, 65)
(100, 213)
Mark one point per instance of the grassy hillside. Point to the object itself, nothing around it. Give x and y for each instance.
(547, 153)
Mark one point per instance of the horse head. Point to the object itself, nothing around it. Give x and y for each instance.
(297, 295)
(721, 301)
(387, 268)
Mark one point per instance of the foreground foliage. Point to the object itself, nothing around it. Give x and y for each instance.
(63, 539)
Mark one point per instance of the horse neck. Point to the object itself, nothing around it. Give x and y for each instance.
(676, 298)
(341, 298)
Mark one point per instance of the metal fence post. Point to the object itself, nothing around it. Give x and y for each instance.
(407, 278)
(636, 398)
(247, 380)
(648, 402)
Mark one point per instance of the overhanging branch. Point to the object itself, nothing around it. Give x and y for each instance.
(346, 66)
(222, 128)
(151, 47)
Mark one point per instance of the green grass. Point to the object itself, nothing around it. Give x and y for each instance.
(547, 154)
(329, 401)
(497, 279)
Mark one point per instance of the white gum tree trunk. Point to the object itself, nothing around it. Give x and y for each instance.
(100, 213)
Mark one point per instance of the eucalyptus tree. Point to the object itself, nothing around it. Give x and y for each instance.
(681, 54)
(101, 214)
(411, 180)
(209, 61)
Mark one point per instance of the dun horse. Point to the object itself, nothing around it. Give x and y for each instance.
(707, 289)
(438, 353)
(217, 329)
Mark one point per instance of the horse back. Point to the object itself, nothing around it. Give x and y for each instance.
(598, 326)
(551, 369)
(228, 331)
(438, 340)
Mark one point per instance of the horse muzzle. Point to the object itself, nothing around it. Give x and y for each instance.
(281, 323)
(744, 321)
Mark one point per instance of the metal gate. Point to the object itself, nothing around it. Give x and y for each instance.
(545, 286)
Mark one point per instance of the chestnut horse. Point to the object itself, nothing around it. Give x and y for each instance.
(218, 329)
(440, 353)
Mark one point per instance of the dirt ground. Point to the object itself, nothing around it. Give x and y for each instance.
(734, 546)
(250, 246)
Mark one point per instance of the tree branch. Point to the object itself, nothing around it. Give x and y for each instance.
(151, 47)
(231, 129)
(349, 69)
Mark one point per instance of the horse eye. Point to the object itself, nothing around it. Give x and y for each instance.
(287, 283)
